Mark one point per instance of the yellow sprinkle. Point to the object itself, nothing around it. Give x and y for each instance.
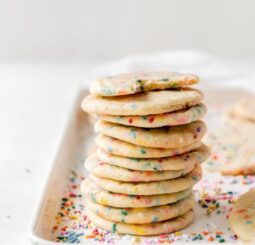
(136, 239)
(72, 217)
(103, 201)
(137, 229)
(178, 233)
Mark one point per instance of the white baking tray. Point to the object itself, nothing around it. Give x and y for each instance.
(77, 143)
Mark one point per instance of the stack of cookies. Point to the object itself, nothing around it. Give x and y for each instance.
(149, 152)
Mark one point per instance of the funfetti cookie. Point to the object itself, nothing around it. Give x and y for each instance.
(157, 228)
(132, 83)
(242, 217)
(143, 215)
(125, 149)
(245, 108)
(243, 163)
(179, 162)
(165, 137)
(149, 103)
(150, 188)
(180, 117)
(234, 147)
(100, 196)
(104, 170)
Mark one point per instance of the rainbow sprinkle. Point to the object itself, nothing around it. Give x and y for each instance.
(215, 196)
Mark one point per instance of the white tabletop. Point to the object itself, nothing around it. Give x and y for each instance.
(34, 100)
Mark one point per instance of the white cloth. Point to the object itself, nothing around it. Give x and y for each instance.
(214, 71)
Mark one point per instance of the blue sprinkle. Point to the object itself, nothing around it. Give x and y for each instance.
(249, 222)
(132, 133)
(154, 219)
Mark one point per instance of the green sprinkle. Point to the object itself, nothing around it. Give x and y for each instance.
(140, 85)
(222, 240)
(124, 212)
(194, 177)
(114, 227)
(143, 151)
(174, 84)
(93, 197)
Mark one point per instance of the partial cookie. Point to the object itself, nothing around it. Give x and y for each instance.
(234, 146)
(242, 217)
(104, 170)
(165, 137)
(143, 104)
(100, 196)
(143, 215)
(132, 83)
(245, 108)
(150, 188)
(125, 149)
(180, 117)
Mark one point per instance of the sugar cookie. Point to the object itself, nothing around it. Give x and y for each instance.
(165, 137)
(180, 117)
(143, 215)
(155, 102)
(163, 227)
(122, 148)
(104, 170)
(242, 217)
(132, 83)
(157, 164)
(150, 188)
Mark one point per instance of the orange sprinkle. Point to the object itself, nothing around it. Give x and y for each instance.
(214, 157)
(210, 239)
(205, 233)
(90, 236)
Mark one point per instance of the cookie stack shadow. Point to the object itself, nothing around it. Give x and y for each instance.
(149, 152)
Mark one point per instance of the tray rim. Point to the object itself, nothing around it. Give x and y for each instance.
(42, 193)
(42, 196)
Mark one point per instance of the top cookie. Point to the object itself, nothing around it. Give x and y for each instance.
(152, 102)
(132, 83)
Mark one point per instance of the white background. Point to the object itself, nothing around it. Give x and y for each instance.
(50, 48)
(97, 29)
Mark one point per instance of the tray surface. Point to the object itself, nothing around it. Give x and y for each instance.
(60, 214)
